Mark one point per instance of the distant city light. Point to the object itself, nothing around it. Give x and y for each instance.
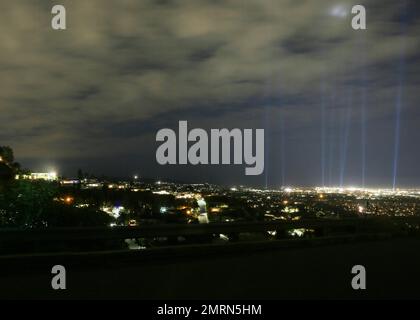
(47, 176)
(297, 232)
(69, 200)
(203, 218)
(161, 192)
(113, 211)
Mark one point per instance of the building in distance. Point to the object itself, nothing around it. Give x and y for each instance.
(47, 176)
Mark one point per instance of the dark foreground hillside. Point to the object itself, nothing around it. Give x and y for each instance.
(310, 272)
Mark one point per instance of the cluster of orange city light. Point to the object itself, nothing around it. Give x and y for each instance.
(67, 200)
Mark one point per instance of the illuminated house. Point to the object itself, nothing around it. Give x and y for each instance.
(47, 176)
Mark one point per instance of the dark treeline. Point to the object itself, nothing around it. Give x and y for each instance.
(34, 204)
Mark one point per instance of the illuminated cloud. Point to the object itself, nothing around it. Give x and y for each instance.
(339, 10)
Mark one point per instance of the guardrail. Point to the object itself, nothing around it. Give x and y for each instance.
(59, 237)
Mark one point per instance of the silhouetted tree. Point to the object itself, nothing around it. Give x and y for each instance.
(6, 153)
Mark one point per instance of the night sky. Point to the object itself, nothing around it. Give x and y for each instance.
(339, 107)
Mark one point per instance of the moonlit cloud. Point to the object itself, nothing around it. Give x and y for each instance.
(339, 10)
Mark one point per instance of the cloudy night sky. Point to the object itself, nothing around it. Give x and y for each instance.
(339, 106)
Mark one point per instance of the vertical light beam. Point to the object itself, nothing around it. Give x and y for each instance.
(345, 136)
(323, 134)
(398, 102)
(282, 150)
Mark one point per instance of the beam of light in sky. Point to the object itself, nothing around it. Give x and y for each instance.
(361, 49)
(398, 105)
(267, 144)
(267, 111)
(345, 136)
(283, 150)
(331, 136)
(363, 133)
(363, 126)
(323, 133)
(398, 102)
